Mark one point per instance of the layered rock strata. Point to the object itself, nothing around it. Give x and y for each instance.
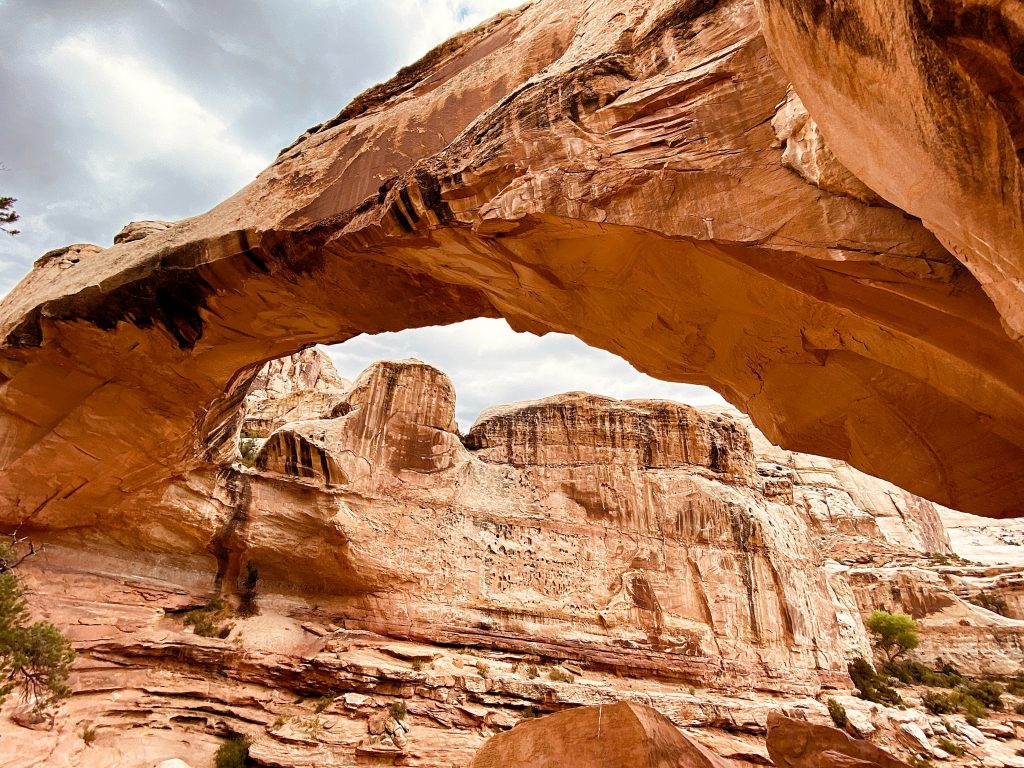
(566, 552)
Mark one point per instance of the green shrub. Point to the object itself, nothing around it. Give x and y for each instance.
(35, 658)
(912, 672)
(88, 734)
(247, 606)
(1016, 685)
(206, 621)
(322, 703)
(955, 701)
(417, 665)
(838, 713)
(988, 692)
(951, 747)
(918, 762)
(248, 449)
(233, 754)
(529, 712)
(938, 703)
(398, 710)
(483, 669)
(870, 685)
(894, 633)
(993, 603)
(532, 672)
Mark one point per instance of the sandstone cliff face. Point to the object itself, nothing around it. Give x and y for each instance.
(939, 132)
(571, 551)
(577, 521)
(637, 175)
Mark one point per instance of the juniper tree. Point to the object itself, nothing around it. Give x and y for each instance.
(35, 658)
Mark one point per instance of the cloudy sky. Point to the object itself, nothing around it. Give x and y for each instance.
(120, 110)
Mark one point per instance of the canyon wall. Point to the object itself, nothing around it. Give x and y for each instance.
(569, 551)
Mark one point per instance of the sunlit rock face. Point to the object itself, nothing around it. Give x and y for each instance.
(940, 130)
(630, 735)
(572, 551)
(799, 744)
(642, 534)
(619, 173)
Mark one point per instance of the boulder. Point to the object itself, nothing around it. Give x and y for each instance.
(799, 744)
(617, 736)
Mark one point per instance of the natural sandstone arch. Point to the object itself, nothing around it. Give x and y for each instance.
(609, 172)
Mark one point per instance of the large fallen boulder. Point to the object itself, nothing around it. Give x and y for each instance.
(618, 736)
(800, 744)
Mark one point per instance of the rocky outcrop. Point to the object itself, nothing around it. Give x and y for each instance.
(595, 169)
(294, 388)
(635, 534)
(800, 744)
(567, 552)
(620, 736)
(137, 230)
(953, 629)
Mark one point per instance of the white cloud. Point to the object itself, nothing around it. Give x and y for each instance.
(142, 116)
(490, 364)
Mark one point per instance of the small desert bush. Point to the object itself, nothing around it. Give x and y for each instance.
(398, 710)
(872, 686)
(89, 734)
(207, 621)
(956, 701)
(233, 754)
(560, 676)
(951, 747)
(322, 703)
(993, 603)
(838, 713)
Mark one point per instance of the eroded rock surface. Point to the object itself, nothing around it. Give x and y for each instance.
(302, 386)
(572, 551)
(939, 131)
(602, 169)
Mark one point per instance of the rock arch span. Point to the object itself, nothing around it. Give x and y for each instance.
(611, 172)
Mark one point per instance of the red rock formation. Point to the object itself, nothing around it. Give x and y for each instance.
(619, 736)
(800, 744)
(584, 551)
(606, 171)
(302, 386)
(644, 535)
